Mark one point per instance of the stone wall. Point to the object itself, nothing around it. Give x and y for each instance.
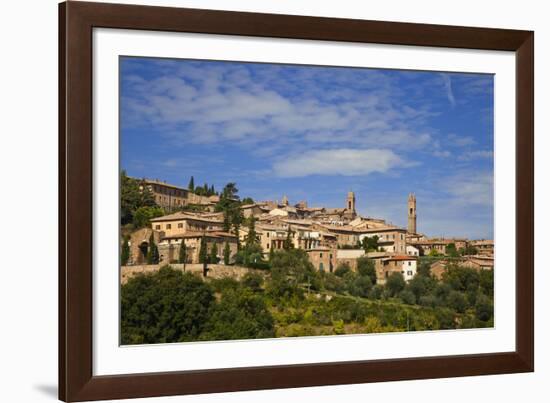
(215, 270)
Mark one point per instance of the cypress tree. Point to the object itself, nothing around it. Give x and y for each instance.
(191, 185)
(183, 254)
(153, 253)
(125, 253)
(214, 254)
(287, 244)
(226, 254)
(203, 251)
(251, 238)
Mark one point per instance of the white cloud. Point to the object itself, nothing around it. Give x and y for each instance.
(477, 154)
(471, 188)
(442, 154)
(460, 141)
(448, 88)
(347, 162)
(306, 107)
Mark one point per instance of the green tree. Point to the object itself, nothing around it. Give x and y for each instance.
(226, 254)
(203, 251)
(287, 243)
(484, 308)
(486, 282)
(468, 250)
(241, 314)
(143, 215)
(424, 270)
(191, 185)
(360, 286)
(342, 270)
(182, 258)
(434, 253)
(292, 264)
(457, 301)
(450, 250)
(132, 198)
(370, 244)
(252, 237)
(247, 200)
(271, 253)
(153, 256)
(395, 283)
(165, 307)
(407, 297)
(365, 267)
(253, 281)
(214, 254)
(125, 252)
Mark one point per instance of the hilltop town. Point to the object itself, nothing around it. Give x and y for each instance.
(204, 222)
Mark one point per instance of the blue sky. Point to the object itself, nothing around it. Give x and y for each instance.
(314, 133)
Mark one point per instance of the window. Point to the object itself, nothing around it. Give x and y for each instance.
(180, 225)
(320, 255)
(168, 226)
(409, 263)
(157, 226)
(267, 246)
(410, 273)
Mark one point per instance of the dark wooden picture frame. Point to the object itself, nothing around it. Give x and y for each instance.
(76, 23)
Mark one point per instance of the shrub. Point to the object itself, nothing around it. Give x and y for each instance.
(240, 315)
(360, 286)
(457, 301)
(395, 284)
(342, 270)
(164, 307)
(407, 297)
(484, 308)
(365, 268)
(253, 281)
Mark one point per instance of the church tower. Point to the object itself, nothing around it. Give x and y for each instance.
(411, 227)
(350, 204)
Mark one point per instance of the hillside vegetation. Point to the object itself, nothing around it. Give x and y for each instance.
(289, 298)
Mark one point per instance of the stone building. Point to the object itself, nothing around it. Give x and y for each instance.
(411, 213)
(406, 265)
(349, 257)
(182, 222)
(139, 245)
(439, 245)
(169, 246)
(323, 258)
(172, 197)
(475, 262)
(390, 238)
(485, 247)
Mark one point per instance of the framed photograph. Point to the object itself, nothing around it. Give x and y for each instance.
(253, 201)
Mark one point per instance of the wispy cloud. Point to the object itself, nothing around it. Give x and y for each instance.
(448, 88)
(476, 154)
(345, 162)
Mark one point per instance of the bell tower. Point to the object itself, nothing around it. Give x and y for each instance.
(350, 203)
(411, 227)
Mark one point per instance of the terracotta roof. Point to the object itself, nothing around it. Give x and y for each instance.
(185, 216)
(157, 182)
(400, 258)
(199, 234)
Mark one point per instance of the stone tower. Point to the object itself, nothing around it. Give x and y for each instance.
(285, 200)
(411, 227)
(350, 204)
